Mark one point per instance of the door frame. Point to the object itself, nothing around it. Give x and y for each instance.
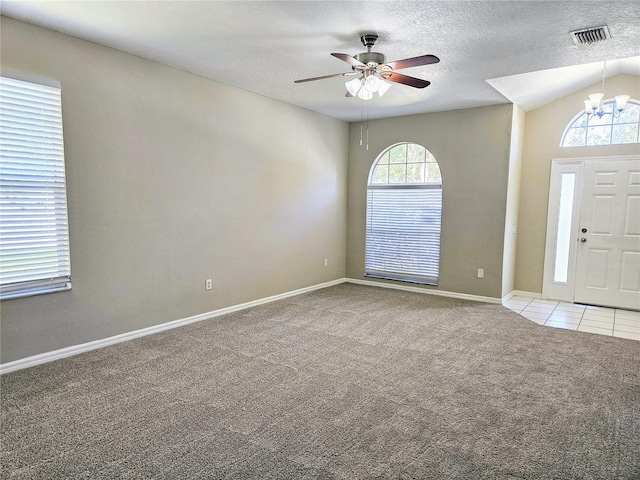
(551, 287)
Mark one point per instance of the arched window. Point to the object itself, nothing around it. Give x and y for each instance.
(586, 130)
(404, 212)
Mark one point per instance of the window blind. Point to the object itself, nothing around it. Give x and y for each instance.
(403, 233)
(34, 237)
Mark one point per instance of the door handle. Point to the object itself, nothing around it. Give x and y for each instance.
(583, 240)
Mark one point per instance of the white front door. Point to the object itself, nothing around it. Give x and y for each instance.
(608, 249)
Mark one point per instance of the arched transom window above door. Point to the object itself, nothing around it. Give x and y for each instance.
(590, 130)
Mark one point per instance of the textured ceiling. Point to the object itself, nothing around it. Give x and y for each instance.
(263, 46)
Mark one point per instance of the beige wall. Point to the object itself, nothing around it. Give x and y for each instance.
(544, 129)
(173, 179)
(472, 147)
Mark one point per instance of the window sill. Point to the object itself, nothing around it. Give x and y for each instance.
(31, 292)
(401, 278)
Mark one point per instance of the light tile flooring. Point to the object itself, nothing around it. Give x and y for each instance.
(605, 321)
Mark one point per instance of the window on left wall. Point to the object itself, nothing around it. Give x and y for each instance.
(34, 232)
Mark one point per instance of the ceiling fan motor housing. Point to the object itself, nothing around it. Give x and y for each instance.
(369, 40)
(371, 57)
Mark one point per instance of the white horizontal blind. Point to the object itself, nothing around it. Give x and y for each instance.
(403, 232)
(34, 237)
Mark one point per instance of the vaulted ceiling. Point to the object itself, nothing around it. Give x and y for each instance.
(491, 51)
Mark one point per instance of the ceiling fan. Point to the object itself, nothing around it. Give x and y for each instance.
(374, 72)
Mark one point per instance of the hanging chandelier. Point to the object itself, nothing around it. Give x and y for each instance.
(594, 105)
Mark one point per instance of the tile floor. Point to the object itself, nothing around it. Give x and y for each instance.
(605, 321)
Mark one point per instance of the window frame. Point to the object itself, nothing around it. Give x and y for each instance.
(432, 190)
(607, 103)
(34, 197)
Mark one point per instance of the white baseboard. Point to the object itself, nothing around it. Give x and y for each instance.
(514, 293)
(442, 293)
(86, 347)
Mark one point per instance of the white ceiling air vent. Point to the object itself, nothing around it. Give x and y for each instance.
(587, 36)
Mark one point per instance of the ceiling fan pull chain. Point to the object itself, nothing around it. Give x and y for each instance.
(367, 126)
(367, 134)
(361, 122)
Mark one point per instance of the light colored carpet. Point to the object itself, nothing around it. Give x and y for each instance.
(348, 382)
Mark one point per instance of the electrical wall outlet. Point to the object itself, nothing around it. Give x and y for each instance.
(208, 284)
(481, 273)
(326, 262)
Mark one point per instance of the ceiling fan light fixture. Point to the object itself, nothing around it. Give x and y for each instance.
(384, 86)
(364, 87)
(365, 94)
(372, 83)
(353, 86)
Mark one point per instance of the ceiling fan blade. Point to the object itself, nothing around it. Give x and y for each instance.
(413, 62)
(349, 59)
(326, 76)
(407, 80)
